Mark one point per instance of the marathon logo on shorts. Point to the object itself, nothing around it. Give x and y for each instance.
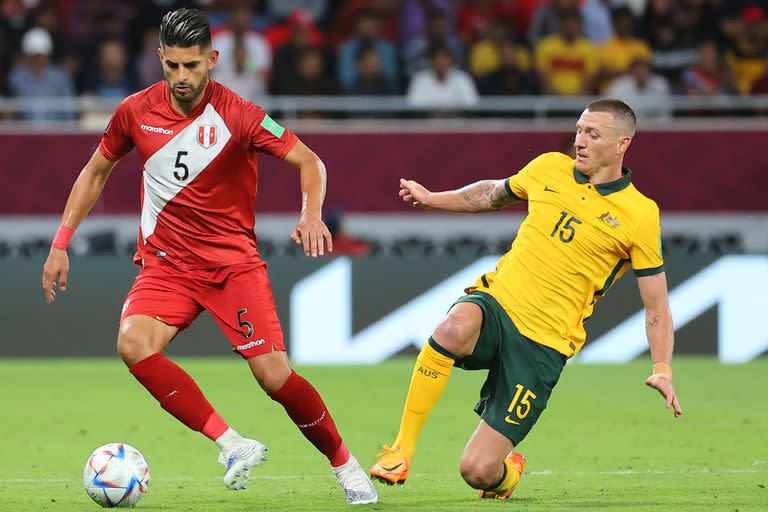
(156, 129)
(250, 344)
(206, 135)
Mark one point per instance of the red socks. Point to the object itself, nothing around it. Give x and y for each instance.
(307, 410)
(178, 394)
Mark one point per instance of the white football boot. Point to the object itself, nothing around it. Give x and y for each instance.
(355, 482)
(239, 460)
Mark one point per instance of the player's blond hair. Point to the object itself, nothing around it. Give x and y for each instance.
(620, 110)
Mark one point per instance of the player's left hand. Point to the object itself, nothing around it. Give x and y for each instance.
(313, 234)
(663, 383)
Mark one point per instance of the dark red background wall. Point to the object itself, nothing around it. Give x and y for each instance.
(703, 170)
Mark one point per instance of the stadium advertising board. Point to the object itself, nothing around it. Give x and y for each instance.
(366, 310)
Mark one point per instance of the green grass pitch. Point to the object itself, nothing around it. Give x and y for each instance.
(604, 443)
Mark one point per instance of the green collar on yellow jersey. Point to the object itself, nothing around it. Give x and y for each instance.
(606, 188)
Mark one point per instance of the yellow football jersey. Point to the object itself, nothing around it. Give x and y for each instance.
(576, 241)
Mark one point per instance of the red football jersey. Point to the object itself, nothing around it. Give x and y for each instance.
(199, 173)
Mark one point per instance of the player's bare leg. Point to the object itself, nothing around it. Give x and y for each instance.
(308, 411)
(455, 337)
(141, 336)
(140, 343)
(490, 464)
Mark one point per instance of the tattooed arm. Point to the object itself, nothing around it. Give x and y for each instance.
(481, 196)
(658, 328)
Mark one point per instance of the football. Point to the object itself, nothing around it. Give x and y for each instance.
(116, 475)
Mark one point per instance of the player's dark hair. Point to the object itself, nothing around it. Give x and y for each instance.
(184, 28)
(619, 109)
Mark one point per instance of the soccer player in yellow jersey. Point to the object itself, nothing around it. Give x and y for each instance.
(586, 225)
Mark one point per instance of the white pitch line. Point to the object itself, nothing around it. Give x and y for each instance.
(544, 472)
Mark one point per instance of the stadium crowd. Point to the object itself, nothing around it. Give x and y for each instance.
(435, 53)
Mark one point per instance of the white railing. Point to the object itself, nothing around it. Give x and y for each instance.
(289, 107)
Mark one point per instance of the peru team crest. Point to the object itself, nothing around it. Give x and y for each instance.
(206, 135)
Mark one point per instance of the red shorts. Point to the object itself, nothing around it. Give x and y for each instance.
(239, 297)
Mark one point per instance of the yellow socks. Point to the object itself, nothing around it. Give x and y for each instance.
(509, 480)
(430, 376)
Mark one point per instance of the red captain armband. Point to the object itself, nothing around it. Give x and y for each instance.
(61, 240)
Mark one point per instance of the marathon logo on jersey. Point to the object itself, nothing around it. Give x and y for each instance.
(250, 344)
(156, 129)
(206, 135)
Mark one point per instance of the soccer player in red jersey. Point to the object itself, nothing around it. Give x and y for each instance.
(198, 142)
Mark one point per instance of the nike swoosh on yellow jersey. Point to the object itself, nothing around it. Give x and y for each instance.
(511, 421)
(547, 189)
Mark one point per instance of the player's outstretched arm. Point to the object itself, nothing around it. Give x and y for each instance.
(85, 192)
(310, 232)
(658, 327)
(478, 197)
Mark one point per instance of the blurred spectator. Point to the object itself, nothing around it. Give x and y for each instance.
(346, 20)
(245, 57)
(111, 78)
(524, 11)
(367, 35)
(370, 78)
(598, 26)
(415, 16)
(474, 17)
(761, 85)
(65, 54)
(441, 85)
(566, 61)
(309, 78)
(546, 19)
(647, 93)
(709, 76)
(622, 49)
(415, 53)
(510, 12)
(671, 30)
(280, 9)
(148, 65)
(286, 56)
(343, 243)
(243, 78)
(88, 23)
(281, 34)
(13, 21)
(747, 52)
(485, 55)
(511, 78)
(38, 78)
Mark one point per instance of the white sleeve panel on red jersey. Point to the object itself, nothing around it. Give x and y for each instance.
(116, 141)
(264, 134)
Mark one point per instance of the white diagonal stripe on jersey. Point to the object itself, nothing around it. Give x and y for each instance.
(160, 184)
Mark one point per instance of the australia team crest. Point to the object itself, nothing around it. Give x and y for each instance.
(206, 135)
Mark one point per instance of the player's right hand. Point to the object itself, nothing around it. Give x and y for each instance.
(413, 192)
(662, 382)
(55, 269)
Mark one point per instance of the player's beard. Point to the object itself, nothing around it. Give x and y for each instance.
(189, 95)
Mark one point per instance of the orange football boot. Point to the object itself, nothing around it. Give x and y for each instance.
(518, 463)
(392, 467)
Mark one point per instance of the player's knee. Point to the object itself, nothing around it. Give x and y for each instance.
(133, 346)
(271, 371)
(272, 381)
(454, 336)
(478, 473)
